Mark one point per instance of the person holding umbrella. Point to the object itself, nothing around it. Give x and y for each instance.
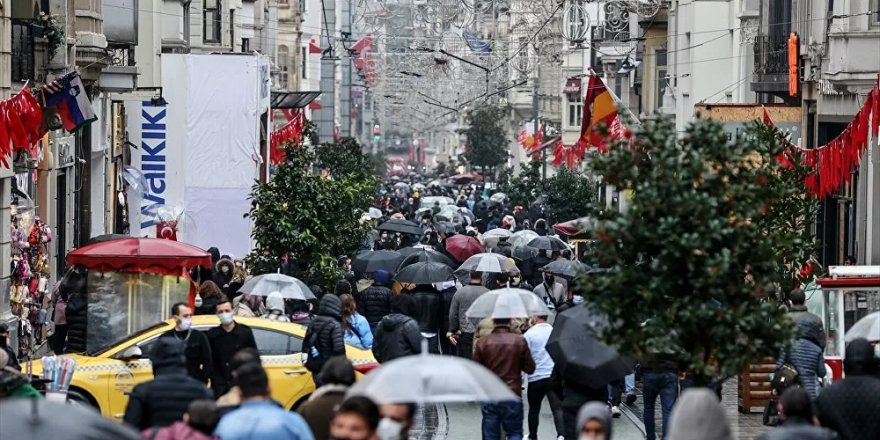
(461, 329)
(375, 301)
(543, 383)
(397, 335)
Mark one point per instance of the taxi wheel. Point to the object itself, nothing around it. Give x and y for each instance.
(80, 397)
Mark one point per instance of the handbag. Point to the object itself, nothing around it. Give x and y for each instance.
(785, 376)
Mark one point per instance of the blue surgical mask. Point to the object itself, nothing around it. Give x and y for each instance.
(225, 318)
(577, 299)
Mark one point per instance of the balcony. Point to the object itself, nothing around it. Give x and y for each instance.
(24, 48)
(771, 65)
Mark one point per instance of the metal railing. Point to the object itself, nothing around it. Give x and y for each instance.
(23, 63)
(771, 55)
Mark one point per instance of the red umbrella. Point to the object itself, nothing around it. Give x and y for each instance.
(581, 226)
(462, 247)
(466, 178)
(152, 255)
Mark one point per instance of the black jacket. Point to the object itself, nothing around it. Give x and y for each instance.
(324, 334)
(397, 335)
(77, 320)
(375, 303)
(851, 406)
(199, 363)
(224, 345)
(429, 310)
(163, 400)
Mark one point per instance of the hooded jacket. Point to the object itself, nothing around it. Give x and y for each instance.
(806, 355)
(163, 400)
(397, 335)
(699, 416)
(851, 406)
(324, 336)
(429, 309)
(222, 279)
(798, 429)
(808, 324)
(275, 308)
(595, 411)
(375, 301)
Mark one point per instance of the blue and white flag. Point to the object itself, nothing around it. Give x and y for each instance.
(67, 97)
(475, 43)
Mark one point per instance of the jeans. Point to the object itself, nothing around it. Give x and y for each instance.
(433, 344)
(615, 389)
(629, 382)
(536, 391)
(506, 415)
(664, 385)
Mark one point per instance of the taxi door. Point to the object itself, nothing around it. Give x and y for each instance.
(281, 355)
(126, 374)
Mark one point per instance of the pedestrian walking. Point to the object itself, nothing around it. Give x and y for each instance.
(698, 415)
(397, 420)
(324, 337)
(375, 301)
(199, 422)
(552, 292)
(806, 355)
(398, 335)
(275, 309)
(805, 321)
(594, 422)
(659, 379)
(507, 355)
(461, 329)
(59, 319)
(542, 383)
(210, 295)
(226, 340)
(356, 419)
(163, 400)
(248, 306)
(429, 311)
(851, 405)
(197, 349)
(258, 417)
(357, 329)
(336, 376)
(223, 273)
(798, 420)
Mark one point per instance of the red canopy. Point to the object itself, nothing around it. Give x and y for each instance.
(581, 226)
(140, 255)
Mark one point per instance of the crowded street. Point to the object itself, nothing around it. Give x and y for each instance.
(440, 220)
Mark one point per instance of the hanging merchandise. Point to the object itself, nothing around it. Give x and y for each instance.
(834, 162)
(291, 132)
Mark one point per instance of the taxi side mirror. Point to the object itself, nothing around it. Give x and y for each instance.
(131, 354)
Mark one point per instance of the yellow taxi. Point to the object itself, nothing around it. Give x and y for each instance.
(104, 378)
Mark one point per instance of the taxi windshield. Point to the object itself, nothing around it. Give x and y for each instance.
(104, 348)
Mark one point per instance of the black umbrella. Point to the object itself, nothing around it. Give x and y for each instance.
(371, 261)
(523, 253)
(32, 418)
(577, 352)
(424, 255)
(568, 269)
(402, 226)
(547, 243)
(424, 273)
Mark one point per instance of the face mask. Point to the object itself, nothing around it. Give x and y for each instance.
(224, 269)
(389, 429)
(577, 299)
(225, 318)
(185, 324)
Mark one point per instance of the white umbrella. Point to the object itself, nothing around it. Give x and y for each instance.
(375, 213)
(493, 236)
(430, 378)
(867, 328)
(522, 238)
(486, 262)
(498, 197)
(506, 304)
(419, 186)
(287, 286)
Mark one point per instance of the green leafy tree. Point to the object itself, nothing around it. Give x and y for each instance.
(303, 220)
(568, 195)
(694, 267)
(522, 188)
(486, 139)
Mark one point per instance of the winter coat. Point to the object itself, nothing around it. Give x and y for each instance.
(163, 400)
(807, 358)
(321, 407)
(397, 335)
(324, 336)
(461, 301)
(360, 334)
(375, 303)
(177, 431)
(275, 307)
(797, 429)
(698, 415)
(429, 311)
(808, 324)
(77, 323)
(851, 406)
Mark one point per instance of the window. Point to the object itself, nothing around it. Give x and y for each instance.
(272, 343)
(302, 6)
(283, 3)
(245, 44)
(211, 20)
(283, 65)
(575, 109)
(305, 62)
(875, 13)
(660, 70)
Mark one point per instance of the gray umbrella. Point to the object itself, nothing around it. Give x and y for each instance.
(568, 269)
(548, 243)
(486, 262)
(287, 286)
(431, 378)
(522, 238)
(40, 419)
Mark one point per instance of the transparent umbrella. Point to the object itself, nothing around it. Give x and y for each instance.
(493, 236)
(867, 327)
(522, 238)
(375, 213)
(287, 286)
(486, 262)
(430, 378)
(506, 304)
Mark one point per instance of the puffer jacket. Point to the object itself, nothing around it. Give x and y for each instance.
(808, 324)
(429, 310)
(163, 400)
(375, 304)
(324, 336)
(77, 323)
(397, 335)
(806, 356)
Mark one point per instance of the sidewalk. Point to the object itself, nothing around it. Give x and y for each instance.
(743, 426)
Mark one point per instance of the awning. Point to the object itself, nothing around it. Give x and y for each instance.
(282, 99)
(572, 86)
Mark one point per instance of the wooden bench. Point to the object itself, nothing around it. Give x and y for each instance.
(753, 386)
